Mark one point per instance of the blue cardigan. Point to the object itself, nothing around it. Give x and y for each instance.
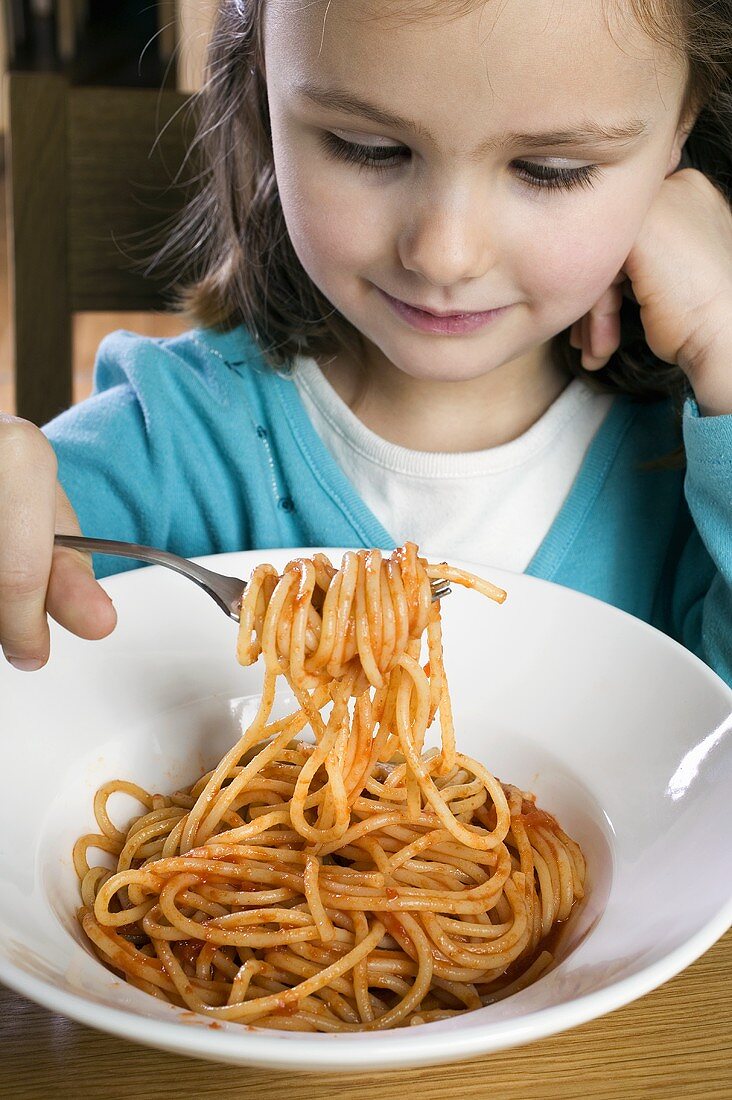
(195, 445)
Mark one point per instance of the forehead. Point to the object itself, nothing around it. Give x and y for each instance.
(520, 62)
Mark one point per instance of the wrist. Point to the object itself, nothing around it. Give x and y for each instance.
(708, 367)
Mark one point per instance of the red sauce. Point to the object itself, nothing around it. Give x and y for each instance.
(536, 816)
(550, 943)
(392, 924)
(188, 951)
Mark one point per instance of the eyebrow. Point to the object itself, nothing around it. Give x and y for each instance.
(587, 133)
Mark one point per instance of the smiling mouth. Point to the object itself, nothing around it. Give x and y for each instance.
(441, 315)
(435, 312)
(441, 324)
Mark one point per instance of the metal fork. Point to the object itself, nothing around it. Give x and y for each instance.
(227, 592)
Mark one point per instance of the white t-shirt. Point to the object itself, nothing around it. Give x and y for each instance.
(493, 506)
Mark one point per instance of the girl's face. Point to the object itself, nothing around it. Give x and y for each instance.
(496, 190)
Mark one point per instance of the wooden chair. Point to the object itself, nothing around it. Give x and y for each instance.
(90, 173)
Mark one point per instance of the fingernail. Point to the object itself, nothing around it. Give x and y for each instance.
(29, 664)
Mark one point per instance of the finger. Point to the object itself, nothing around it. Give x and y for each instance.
(622, 280)
(603, 328)
(585, 341)
(75, 599)
(27, 510)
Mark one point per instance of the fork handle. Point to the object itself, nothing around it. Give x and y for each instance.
(225, 591)
(121, 550)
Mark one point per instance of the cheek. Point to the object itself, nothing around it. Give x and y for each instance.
(332, 229)
(573, 258)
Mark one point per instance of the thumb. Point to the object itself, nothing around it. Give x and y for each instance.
(74, 598)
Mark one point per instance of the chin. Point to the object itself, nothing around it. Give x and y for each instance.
(461, 363)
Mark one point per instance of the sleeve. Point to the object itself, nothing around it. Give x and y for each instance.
(702, 595)
(135, 458)
(109, 464)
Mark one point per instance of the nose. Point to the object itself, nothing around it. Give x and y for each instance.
(447, 237)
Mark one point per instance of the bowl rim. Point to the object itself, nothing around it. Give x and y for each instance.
(265, 1048)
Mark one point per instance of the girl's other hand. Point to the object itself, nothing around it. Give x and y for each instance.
(36, 578)
(680, 273)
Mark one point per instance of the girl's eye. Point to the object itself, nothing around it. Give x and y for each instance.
(380, 157)
(556, 179)
(383, 157)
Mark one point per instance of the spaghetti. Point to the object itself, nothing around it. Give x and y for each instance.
(355, 883)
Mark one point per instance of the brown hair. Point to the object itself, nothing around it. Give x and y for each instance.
(236, 264)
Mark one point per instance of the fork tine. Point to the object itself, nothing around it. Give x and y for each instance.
(440, 589)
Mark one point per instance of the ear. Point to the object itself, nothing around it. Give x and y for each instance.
(682, 133)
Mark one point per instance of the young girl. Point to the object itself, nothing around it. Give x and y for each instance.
(462, 274)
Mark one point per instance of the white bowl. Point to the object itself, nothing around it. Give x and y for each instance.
(622, 733)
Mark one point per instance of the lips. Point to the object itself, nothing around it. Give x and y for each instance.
(436, 312)
(439, 313)
(452, 324)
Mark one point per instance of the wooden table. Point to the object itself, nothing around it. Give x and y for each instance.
(675, 1042)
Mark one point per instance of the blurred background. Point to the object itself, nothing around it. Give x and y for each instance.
(136, 47)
